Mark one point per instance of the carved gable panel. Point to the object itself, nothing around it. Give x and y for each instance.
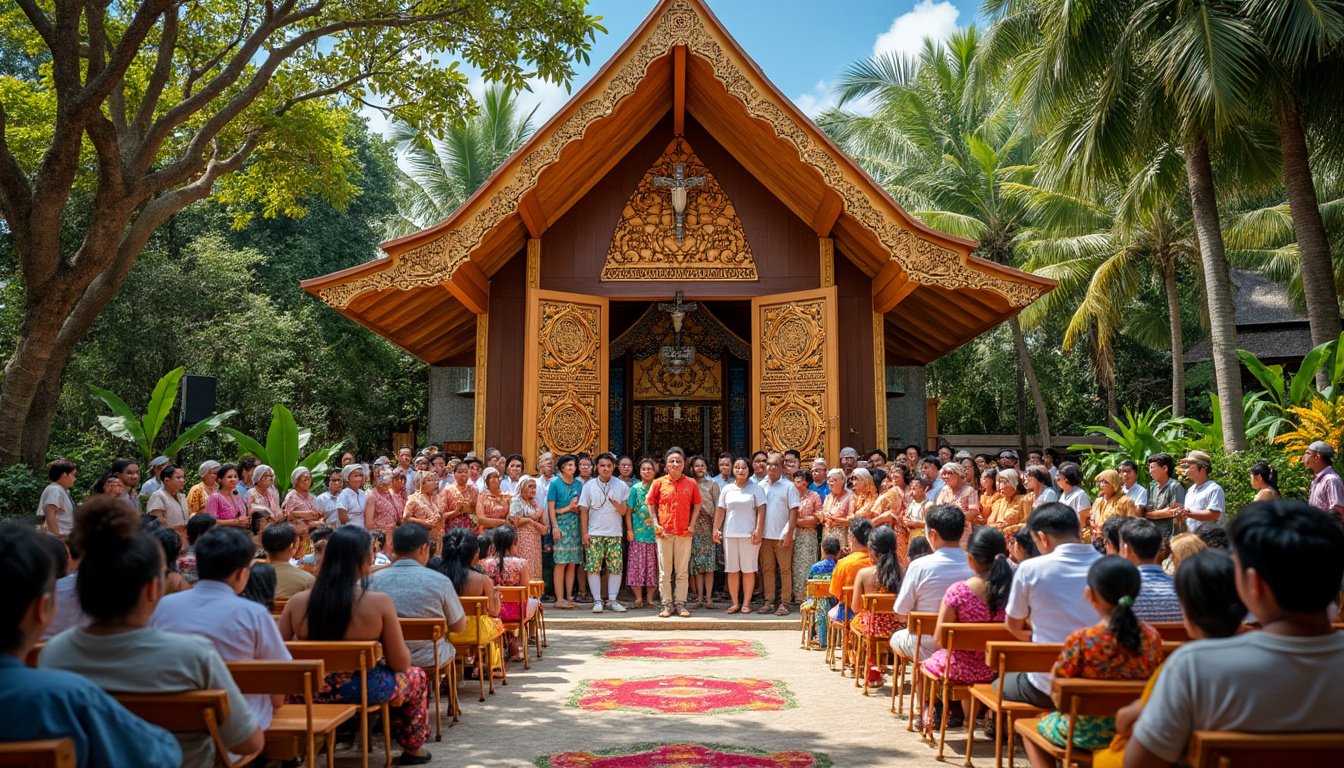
(644, 245)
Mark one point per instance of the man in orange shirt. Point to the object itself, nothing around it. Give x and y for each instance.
(849, 567)
(674, 504)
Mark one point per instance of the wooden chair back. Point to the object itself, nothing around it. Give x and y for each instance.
(474, 607)
(431, 629)
(1173, 631)
(278, 606)
(969, 636)
(536, 589)
(878, 602)
(817, 588)
(1098, 698)
(358, 656)
(300, 677)
(517, 596)
(1019, 656)
(45, 753)
(1231, 749)
(187, 712)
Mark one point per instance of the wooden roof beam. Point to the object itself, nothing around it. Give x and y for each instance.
(529, 210)
(891, 286)
(679, 90)
(828, 212)
(471, 287)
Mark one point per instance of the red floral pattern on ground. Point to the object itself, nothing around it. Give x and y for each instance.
(682, 755)
(682, 695)
(683, 650)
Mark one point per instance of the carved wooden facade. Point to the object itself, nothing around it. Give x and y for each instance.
(797, 400)
(564, 409)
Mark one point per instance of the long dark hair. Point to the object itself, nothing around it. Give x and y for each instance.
(989, 548)
(882, 548)
(1266, 471)
(1116, 580)
(332, 601)
(504, 537)
(119, 558)
(459, 548)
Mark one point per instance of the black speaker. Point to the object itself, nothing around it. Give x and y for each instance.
(198, 398)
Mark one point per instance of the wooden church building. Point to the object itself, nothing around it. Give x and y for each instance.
(679, 256)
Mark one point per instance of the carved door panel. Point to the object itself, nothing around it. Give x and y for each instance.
(795, 373)
(565, 407)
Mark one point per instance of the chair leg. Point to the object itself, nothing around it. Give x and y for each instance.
(1012, 740)
(897, 685)
(942, 730)
(387, 736)
(503, 661)
(364, 734)
(999, 738)
(438, 710)
(453, 703)
(331, 749)
(916, 688)
(970, 729)
(483, 669)
(523, 630)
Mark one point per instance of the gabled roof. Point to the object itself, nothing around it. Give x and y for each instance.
(681, 60)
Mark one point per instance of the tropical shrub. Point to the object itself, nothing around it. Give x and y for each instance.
(284, 443)
(1321, 420)
(1233, 472)
(144, 431)
(1136, 435)
(20, 490)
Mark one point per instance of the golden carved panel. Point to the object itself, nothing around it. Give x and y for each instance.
(564, 397)
(794, 419)
(796, 372)
(644, 245)
(702, 380)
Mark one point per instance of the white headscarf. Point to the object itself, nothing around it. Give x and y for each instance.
(296, 474)
(485, 476)
(207, 467)
(260, 472)
(350, 469)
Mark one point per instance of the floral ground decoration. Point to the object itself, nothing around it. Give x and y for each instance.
(682, 650)
(682, 695)
(683, 755)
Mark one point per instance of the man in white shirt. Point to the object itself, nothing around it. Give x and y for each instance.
(758, 460)
(1049, 591)
(929, 577)
(1129, 478)
(1204, 499)
(781, 514)
(240, 629)
(154, 482)
(931, 471)
(1289, 560)
(601, 519)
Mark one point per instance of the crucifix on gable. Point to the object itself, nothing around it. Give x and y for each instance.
(679, 185)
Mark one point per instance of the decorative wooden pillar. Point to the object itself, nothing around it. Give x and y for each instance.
(482, 356)
(880, 379)
(534, 262)
(827, 252)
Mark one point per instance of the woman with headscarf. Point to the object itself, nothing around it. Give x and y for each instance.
(380, 506)
(422, 508)
(890, 507)
(1011, 505)
(865, 494)
(837, 509)
(262, 498)
(492, 504)
(300, 505)
(458, 499)
(1111, 501)
(527, 518)
(959, 492)
(350, 504)
(200, 492)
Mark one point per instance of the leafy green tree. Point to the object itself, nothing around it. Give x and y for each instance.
(946, 153)
(443, 171)
(284, 446)
(146, 106)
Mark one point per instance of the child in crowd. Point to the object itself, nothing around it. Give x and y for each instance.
(821, 571)
(919, 547)
(1120, 647)
(918, 505)
(379, 545)
(318, 536)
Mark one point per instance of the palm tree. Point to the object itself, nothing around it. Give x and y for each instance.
(1104, 251)
(442, 171)
(1114, 78)
(945, 153)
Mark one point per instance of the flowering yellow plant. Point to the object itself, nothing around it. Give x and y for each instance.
(1322, 420)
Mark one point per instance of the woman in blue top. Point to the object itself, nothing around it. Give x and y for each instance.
(562, 504)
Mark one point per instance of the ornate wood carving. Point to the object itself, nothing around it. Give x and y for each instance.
(567, 369)
(702, 380)
(701, 328)
(482, 360)
(644, 245)
(795, 371)
(681, 24)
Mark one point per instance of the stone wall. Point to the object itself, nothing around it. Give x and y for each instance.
(451, 413)
(907, 418)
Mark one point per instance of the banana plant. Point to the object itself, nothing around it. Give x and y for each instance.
(284, 444)
(144, 432)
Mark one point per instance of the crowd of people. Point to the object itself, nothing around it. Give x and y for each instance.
(155, 587)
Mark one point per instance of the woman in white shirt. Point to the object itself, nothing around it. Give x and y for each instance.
(1072, 495)
(739, 522)
(350, 504)
(327, 501)
(56, 508)
(168, 503)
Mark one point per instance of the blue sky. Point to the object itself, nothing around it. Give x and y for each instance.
(802, 45)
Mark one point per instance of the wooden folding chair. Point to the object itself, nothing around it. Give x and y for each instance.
(816, 590)
(1077, 696)
(538, 590)
(919, 624)
(1233, 749)
(1171, 631)
(871, 650)
(1005, 658)
(476, 645)
(187, 712)
(837, 643)
(432, 631)
(294, 728)
(45, 753)
(359, 657)
(278, 606)
(516, 596)
(954, 636)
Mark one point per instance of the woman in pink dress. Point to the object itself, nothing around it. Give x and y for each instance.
(458, 500)
(422, 508)
(805, 541)
(224, 504)
(838, 508)
(381, 511)
(959, 492)
(890, 507)
(526, 517)
(979, 599)
(505, 570)
(300, 506)
(263, 498)
(492, 505)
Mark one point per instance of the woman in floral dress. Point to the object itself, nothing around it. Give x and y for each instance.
(890, 506)
(457, 500)
(641, 563)
(300, 506)
(492, 505)
(526, 516)
(704, 559)
(805, 541)
(837, 509)
(380, 509)
(262, 498)
(422, 508)
(883, 577)
(506, 570)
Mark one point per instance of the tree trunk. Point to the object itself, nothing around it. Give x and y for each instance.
(1021, 387)
(1177, 342)
(24, 373)
(1217, 291)
(1313, 247)
(1024, 360)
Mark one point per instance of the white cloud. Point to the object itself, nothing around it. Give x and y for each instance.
(817, 100)
(928, 19)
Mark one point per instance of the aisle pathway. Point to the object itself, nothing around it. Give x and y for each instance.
(772, 697)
